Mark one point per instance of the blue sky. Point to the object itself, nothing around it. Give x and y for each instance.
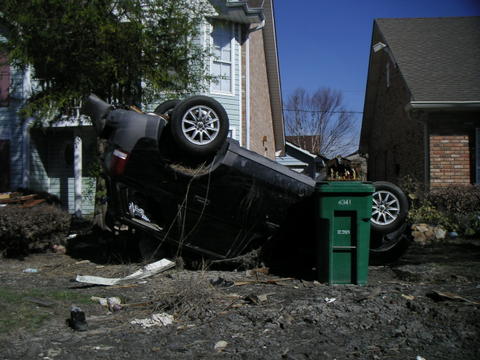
(325, 43)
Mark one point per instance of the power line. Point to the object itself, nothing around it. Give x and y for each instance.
(325, 111)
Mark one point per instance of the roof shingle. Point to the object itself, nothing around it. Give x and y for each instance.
(438, 57)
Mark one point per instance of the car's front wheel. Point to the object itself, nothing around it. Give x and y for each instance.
(199, 125)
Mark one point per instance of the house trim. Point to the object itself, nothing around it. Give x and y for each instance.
(232, 63)
(240, 83)
(443, 105)
(247, 92)
(273, 74)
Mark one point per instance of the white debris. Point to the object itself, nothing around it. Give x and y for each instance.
(161, 319)
(137, 211)
(329, 300)
(420, 358)
(220, 345)
(30, 270)
(146, 271)
(113, 303)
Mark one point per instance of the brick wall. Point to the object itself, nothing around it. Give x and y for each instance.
(261, 126)
(395, 140)
(449, 160)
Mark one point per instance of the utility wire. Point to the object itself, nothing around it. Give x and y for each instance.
(325, 111)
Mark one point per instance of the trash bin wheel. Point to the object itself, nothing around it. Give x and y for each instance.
(390, 207)
(199, 125)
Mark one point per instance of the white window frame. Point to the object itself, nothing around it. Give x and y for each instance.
(231, 63)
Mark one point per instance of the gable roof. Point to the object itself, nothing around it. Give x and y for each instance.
(439, 58)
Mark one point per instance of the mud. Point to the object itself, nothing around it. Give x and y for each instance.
(260, 316)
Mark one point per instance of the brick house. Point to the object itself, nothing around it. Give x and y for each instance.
(241, 34)
(422, 103)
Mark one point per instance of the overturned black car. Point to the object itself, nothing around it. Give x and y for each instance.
(176, 179)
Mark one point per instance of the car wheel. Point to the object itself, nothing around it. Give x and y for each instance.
(387, 248)
(390, 207)
(166, 108)
(199, 125)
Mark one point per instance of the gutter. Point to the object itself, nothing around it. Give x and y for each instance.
(443, 105)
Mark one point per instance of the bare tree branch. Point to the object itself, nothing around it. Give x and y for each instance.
(319, 122)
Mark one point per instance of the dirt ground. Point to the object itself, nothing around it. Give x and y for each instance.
(424, 307)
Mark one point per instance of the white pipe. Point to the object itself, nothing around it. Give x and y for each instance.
(77, 171)
(27, 92)
(26, 153)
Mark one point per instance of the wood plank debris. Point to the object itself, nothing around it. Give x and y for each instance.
(17, 199)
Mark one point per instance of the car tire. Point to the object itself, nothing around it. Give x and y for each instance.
(199, 125)
(166, 108)
(387, 248)
(390, 207)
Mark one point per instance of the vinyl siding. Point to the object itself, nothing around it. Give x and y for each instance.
(232, 101)
(51, 165)
(11, 128)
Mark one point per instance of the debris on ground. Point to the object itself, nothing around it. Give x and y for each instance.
(442, 296)
(256, 299)
(221, 282)
(220, 345)
(390, 318)
(59, 249)
(113, 303)
(264, 281)
(424, 234)
(161, 319)
(30, 270)
(146, 271)
(256, 272)
(77, 319)
(17, 199)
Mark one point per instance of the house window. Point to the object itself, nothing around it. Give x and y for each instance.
(222, 62)
(4, 80)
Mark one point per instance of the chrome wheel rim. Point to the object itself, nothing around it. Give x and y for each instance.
(385, 208)
(200, 125)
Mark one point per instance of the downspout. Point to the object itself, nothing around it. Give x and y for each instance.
(247, 91)
(26, 152)
(77, 171)
(27, 92)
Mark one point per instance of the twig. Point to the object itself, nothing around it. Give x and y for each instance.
(269, 281)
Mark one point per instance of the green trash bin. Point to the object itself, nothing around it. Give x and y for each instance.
(344, 209)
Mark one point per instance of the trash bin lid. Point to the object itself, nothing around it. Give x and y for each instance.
(344, 187)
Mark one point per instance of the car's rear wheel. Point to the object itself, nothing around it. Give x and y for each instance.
(390, 207)
(166, 108)
(387, 248)
(199, 125)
